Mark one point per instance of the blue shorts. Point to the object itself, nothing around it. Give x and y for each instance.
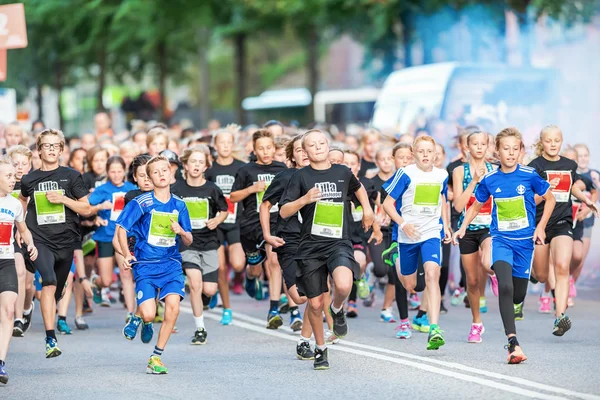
(37, 281)
(149, 288)
(518, 253)
(429, 250)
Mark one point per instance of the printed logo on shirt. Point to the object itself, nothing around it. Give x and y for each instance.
(267, 178)
(7, 211)
(520, 189)
(140, 294)
(498, 190)
(48, 186)
(328, 190)
(225, 183)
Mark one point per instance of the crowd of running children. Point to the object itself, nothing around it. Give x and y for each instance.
(305, 220)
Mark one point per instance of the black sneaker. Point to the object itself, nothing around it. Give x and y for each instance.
(200, 336)
(561, 325)
(304, 352)
(443, 309)
(321, 361)
(340, 325)
(27, 318)
(18, 329)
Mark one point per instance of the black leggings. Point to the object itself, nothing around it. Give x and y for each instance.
(401, 294)
(511, 291)
(54, 267)
(380, 269)
(446, 248)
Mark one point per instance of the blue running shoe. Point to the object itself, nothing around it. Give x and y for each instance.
(131, 328)
(97, 295)
(251, 286)
(147, 332)
(3, 373)
(227, 317)
(213, 301)
(483, 305)
(296, 321)
(52, 349)
(421, 324)
(260, 290)
(284, 305)
(274, 319)
(62, 327)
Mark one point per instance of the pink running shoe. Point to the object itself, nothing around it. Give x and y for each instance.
(572, 288)
(494, 284)
(476, 332)
(545, 305)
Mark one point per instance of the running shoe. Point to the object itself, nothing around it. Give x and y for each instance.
(105, 299)
(274, 319)
(352, 311)
(483, 305)
(321, 361)
(52, 349)
(97, 292)
(147, 332)
(443, 309)
(226, 319)
(362, 288)
(200, 336)
(403, 330)
(63, 328)
(262, 290)
(476, 331)
(131, 328)
(519, 312)
(156, 367)
(561, 325)
(458, 297)
(421, 324)
(330, 338)
(387, 316)
(18, 329)
(304, 352)
(435, 340)
(87, 309)
(128, 317)
(3, 373)
(467, 302)
(109, 296)
(213, 301)
(237, 288)
(545, 304)
(413, 302)
(572, 288)
(494, 284)
(175, 329)
(515, 354)
(390, 255)
(160, 313)
(368, 302)
(296, 321)
(80, 323)
(284, 304)
(340, 325)
(27, 318)
(251, 286)
(570, 302)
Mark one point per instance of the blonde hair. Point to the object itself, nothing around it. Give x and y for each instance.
(129, 145)
(261, 133)
(48, 132)
(370, 132)
(382, 149)
(506, 133)
(282, 141)
(154, 160)
(19, 149)
(581, 146)
(399, 146)
(199, 148)
(539, 147)
(308, 132)
(231, 129)
(156, 132)
(423, 138)
(353, 153)
(6, 160)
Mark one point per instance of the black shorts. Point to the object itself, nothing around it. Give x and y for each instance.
(104, 249)
(253, 244)
(312, 274)
(288, 263)
(17, 248)
(578, 231)
(8, 276)
(561, 228)
(228, 234)
(362, 247)
(473, 240)
(54, 266)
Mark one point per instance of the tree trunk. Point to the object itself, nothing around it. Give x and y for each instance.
(204, 99)
(407, 36)
(312, 66)
(162, 80)
(101, 78)
(59, 87)
(40, 101)
(240, 75)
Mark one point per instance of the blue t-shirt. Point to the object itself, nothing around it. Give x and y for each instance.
(513, 201)
(150, 221)
(116, 195)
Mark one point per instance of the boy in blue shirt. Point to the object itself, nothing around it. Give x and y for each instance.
(158, 220)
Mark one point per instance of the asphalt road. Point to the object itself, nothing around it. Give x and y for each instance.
(247, 361)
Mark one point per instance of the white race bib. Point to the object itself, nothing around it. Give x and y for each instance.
(198, 210)
(118, 204)
(426, 199)
(562, 191)
(328, 219)
(511, 213)
(160, 233)
(6, 231)
(48, 213)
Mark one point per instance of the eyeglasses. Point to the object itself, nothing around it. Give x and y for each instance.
(51, 146)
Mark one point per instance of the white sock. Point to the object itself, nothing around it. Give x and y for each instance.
(199, 322)
(321, 347)
(20, 320)
(303, 339)
(546, 294)
(336, 310)
(27, 312)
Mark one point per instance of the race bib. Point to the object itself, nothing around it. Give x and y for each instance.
(118, 204)
(15, 194)
(562, 191)
(574, 209)
(328, 220)
(6, 231)
(48, 213)
(232, 211)
(160, 233)
(427, 198)
(259, 200)
(198, 210)
(512, 214)
(357, 213)
(485, 214)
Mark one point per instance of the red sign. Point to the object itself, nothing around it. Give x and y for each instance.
(13, 31)
(2, 65)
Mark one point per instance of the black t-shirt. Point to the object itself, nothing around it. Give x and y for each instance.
(325, 224)
(455, 215)
(55, 225)
(203, 203)
(288, 229)
(566, 170)
(366, 166)
(132, 194)
(589, 221)
(245, 177)
(378, 183)
(224, 176)
(358, 233)
(92, 181)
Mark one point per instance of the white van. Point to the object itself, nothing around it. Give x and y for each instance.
(345, 106)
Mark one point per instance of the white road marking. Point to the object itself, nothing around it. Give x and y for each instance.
(252, 322)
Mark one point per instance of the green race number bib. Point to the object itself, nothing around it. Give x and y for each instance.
(160, 233)
(357, 213)
(198, 210)
(511, 213)
(328, 220)
(427, 198)
(15, 194)
(48, 213)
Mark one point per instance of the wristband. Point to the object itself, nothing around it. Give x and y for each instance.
(402, 225)
(83, 279)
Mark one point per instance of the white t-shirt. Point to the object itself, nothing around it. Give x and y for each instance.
(418, 196)
(11, 210)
